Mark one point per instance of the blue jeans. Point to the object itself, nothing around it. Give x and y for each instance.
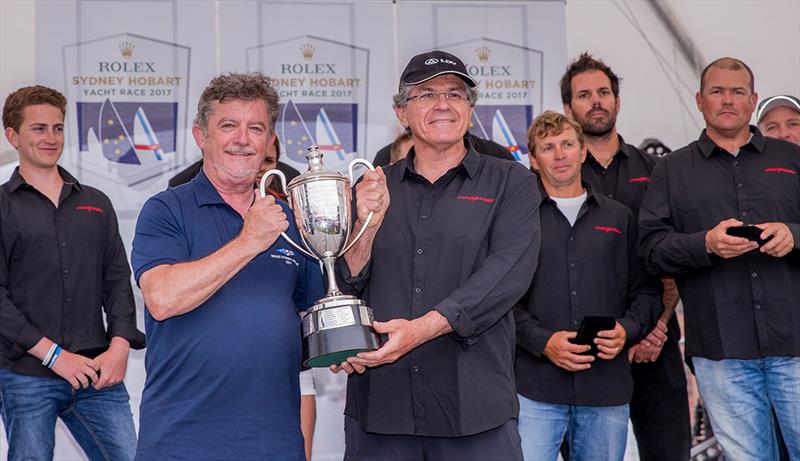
(101, 421)
(740, 395)
(593, 433)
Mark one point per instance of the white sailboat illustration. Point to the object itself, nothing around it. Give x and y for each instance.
(324, 136)
(327, 138)
(144, 137)
(502, 135)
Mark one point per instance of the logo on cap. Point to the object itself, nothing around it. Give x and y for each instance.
(431, 61)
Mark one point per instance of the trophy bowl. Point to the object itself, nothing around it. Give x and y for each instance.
(337, 326)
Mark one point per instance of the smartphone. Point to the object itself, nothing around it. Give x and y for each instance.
(750, 233)
(588, 329)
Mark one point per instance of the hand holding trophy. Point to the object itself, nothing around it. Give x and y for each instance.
(337, 326)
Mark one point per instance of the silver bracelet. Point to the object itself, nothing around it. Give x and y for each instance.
(49, 354)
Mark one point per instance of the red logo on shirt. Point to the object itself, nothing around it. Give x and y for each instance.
(608, 230)
(89, 208)
(779, 170)
(640, 179)
(475, 198)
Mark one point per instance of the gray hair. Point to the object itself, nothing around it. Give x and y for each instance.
(401, 98)
(247, 87)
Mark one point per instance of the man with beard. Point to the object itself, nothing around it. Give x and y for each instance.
(738, 284)
(659, 407)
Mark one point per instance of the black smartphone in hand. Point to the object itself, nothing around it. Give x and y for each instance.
(752, 233)
(588, 329)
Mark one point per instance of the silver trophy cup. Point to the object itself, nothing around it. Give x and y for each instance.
(337, 326)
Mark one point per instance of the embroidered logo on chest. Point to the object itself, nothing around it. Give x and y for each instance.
(91, 209)
(475, 198)
(608, 230)
(779, 170)
(285, 255)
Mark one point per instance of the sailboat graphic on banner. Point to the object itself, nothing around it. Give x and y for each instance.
(304, 124)
(327, 139)
(477, 122)
(144, 137)
(502, 135)
(110, 146)
(115, 140)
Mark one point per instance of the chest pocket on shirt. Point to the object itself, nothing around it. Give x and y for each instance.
(780, 187)
(466, 216)
(86, 231)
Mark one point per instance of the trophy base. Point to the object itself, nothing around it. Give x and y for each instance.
(336, 328)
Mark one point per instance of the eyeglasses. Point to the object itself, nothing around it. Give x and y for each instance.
(431, 97)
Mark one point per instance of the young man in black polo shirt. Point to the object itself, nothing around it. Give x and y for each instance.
(741, 298)
(62, 264)
(620, 171)
(588, 266)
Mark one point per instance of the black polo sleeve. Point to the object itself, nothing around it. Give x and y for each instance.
(506, 273)
(664, 250)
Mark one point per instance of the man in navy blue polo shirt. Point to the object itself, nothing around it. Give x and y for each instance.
(222, 293)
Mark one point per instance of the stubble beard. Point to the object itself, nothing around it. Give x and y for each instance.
(600, 128)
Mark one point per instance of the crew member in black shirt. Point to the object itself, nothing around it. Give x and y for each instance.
(62, 265)
(588, 266)
(741, 300)
(660, 405)
(455, 250)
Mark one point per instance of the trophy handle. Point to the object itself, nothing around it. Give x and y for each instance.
(369, 165)
(263, 185)
(263, 191)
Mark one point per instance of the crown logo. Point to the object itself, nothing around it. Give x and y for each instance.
(126, 48)
(308, 51)
(483, 53)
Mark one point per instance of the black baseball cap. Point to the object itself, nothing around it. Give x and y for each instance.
(426, 66)
(776, 101)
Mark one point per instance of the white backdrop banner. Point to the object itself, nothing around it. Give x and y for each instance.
(133, 71)
(332, 63)
(323, 88)
(128, 95)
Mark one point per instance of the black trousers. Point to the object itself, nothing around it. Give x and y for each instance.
(499, 444)
(660, 405)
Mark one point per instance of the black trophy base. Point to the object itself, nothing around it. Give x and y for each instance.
(335, 329)
(345, 341)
